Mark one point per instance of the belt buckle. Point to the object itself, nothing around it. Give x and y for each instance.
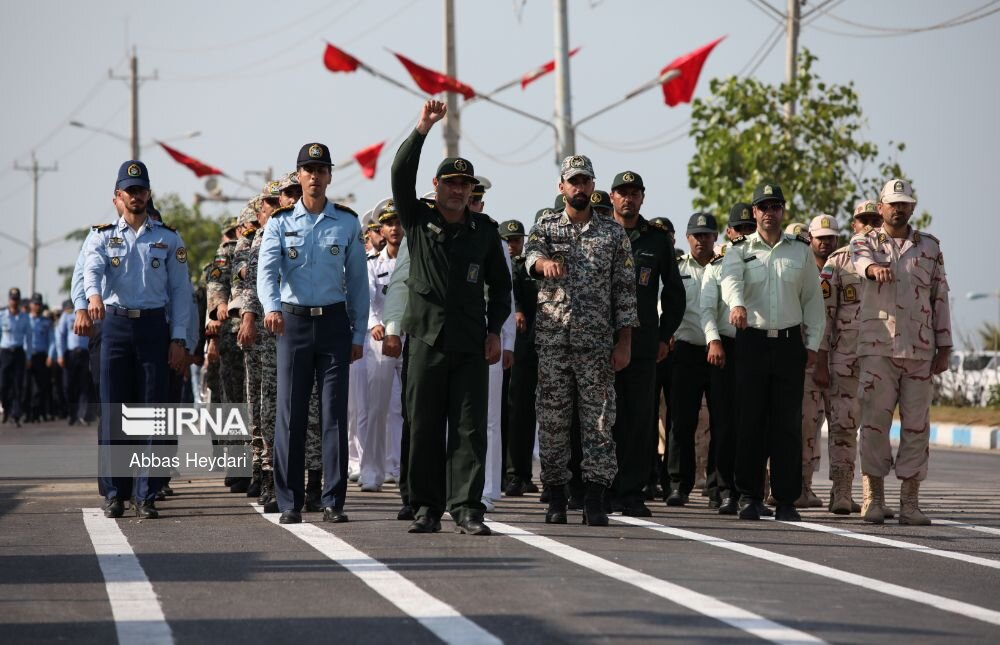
(772, 333)
(134, 313)
(315, 311)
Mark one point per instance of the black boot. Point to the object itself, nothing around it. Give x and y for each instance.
(240, 485)
(254, 489)
(576, 496)
(314, 491)
(593, 505)
(556, 513)
(267, 499)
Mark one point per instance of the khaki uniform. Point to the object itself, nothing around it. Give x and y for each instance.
(575, 326)
(903, 323)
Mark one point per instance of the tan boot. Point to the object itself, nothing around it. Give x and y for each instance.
(887, 511)
(807, 481)
(909, 511)
(840, 501)
(874, 496)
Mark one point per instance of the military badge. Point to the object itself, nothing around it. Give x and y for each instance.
(155, 263)
(850, 293)
(896, 187)
(825, 222)
(577, 162)
(702, 221)
(745, 215)
(334, 249)
(134, 170)
(511, 226)
(628, 178)
(315, 151)
(916, 237)
(181, 254)
(216, 273)
(472, 275)
(115, 261)
(293, 253)
(768, 190)
(644, 273)
(460, 165)
(559, 258)
(825, 284)
(629, 263)
(116, 241)
(595, 198)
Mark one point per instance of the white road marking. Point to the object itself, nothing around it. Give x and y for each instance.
(932, 600)
(443, 620)
(742, 619)
(134, 605)
(899, 544)
(970, 527)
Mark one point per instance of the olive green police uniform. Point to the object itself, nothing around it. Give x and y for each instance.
(447, 318)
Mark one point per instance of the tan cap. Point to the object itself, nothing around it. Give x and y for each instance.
(822, 225)
(795, 228)
(897, 190)
(866, 207)
(272, 190)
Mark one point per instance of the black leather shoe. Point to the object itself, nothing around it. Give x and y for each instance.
(787, 513)
(677, 498)
(290, 517)
(530, 487)
(472, 526)
(314, 492)
(425, 524)
(714, 502)
(114, 508)
(636, 508)
(334, 515)
(729, 506)
(270, 505)
(167, 490)
(544, 496)
(228, 481)
(253, 490)
(240, 485)
(763, 510)
(748, 511)
(161, 496)
(146, 510)
(515, 488)
(406, 513)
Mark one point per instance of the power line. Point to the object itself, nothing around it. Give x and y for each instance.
(893, 32)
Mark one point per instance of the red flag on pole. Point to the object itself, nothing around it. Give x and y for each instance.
(197, 167)
(367, 158)
(543, 70)
(337, 60)
(681, 89)
(434, 82)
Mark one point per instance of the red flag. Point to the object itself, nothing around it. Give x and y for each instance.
(681, 88)
(337, 60)
(197, 167)
(367, 158)
(434, 82)
(543, 70)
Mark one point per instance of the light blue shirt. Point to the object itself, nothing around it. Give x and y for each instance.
(42, 337)
(140, 270)
(314, 261)
(15, 331)
(66, 340)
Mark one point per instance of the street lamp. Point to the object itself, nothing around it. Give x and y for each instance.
(120, 137)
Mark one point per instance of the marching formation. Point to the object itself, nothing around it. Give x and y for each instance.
(425, 344)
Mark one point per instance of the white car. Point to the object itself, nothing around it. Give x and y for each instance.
(969, 380)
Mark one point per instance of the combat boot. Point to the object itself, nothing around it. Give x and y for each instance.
(874, 498)
(556, 513)
(314, 491)
(593, 505)
(909, 511)
(239, 485)
(840, 497)
(254, 489)
(267, 498)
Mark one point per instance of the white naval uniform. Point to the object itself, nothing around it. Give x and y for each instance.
(494, 444)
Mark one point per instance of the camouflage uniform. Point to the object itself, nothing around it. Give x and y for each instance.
(251, 355)
(575, 326)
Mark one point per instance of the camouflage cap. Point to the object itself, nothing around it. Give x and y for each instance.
(229, 224)
(627, 178)
(271, 190)
(897, 190)
(456, 167)
(822, 226)
(866, 207)
(576, 165)
(511, 228)
(247, 216)
(288, 180)
(601, 200)
(384, 211)
(767, 191)
(740, 214)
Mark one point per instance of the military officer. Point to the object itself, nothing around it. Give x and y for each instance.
(454, 333)
(586, 312)
(905, 338)
(771, 284)
(322, 334)
(15, 347)
(38, 385)
(136, 272)
(660, 307)
(74, 359)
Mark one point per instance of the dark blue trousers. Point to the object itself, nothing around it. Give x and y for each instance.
(312, 348)
(134, 372)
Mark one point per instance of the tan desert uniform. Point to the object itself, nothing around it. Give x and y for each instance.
(903, 323)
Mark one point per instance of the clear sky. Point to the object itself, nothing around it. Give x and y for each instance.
(249, 76)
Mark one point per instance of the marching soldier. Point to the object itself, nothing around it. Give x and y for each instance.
(74, 359)
(454, 333)
(586, 312)
(905, 338)
(38, 385)
(771, 284)
(15, 347)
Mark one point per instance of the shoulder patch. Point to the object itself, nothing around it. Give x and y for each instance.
(102, 227)
(168, 227)
(802, 238)
(719, 257)
(347, 209)
(740, 240)
(282, 211)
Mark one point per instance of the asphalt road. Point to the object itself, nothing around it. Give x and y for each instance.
(213, 569)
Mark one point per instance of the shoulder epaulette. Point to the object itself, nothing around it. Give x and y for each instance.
(802, 238)
(918, 234)
(347, 209)
(429, 203)
(491, 220)
(282, 210)
(168, 227)
(372, 257)
(719, 257)
(102, 227)
(843, 249)
(866, 230)
(740, 240)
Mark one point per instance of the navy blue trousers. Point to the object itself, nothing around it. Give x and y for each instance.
(312, 348)
(134, 372)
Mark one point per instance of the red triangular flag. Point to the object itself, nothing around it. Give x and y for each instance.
(337, 60)
(542, 71)
(681, 88)
(434, 82)
(367, 158)
(198, 168)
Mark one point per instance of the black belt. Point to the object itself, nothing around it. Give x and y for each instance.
(683, 343)
(136, 313)
(312, 311)
(787, 332)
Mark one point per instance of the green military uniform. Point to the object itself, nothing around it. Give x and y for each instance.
(657, 283)
(447, 319)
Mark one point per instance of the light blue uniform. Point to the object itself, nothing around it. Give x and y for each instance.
(66, 340)
(15, 331)
(42, 338)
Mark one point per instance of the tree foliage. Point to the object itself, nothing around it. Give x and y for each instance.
(989, 335)
(818, 156)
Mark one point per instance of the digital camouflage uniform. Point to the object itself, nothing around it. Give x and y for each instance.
(575, 326)
(219, 290)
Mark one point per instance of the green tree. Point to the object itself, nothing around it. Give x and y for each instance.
(818, 156)
(989, 334)
(200, 234)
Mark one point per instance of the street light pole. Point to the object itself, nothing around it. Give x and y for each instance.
(36, 173)
(565, 135)
(134, 79)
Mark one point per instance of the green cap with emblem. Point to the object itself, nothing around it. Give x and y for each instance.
(701, 223)
(740, 214)
(456, 167)
(627, 178)
(511, 228)
(601, 200)
(662, 223)
(542, 212)
(576, 165)
(767, 191)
